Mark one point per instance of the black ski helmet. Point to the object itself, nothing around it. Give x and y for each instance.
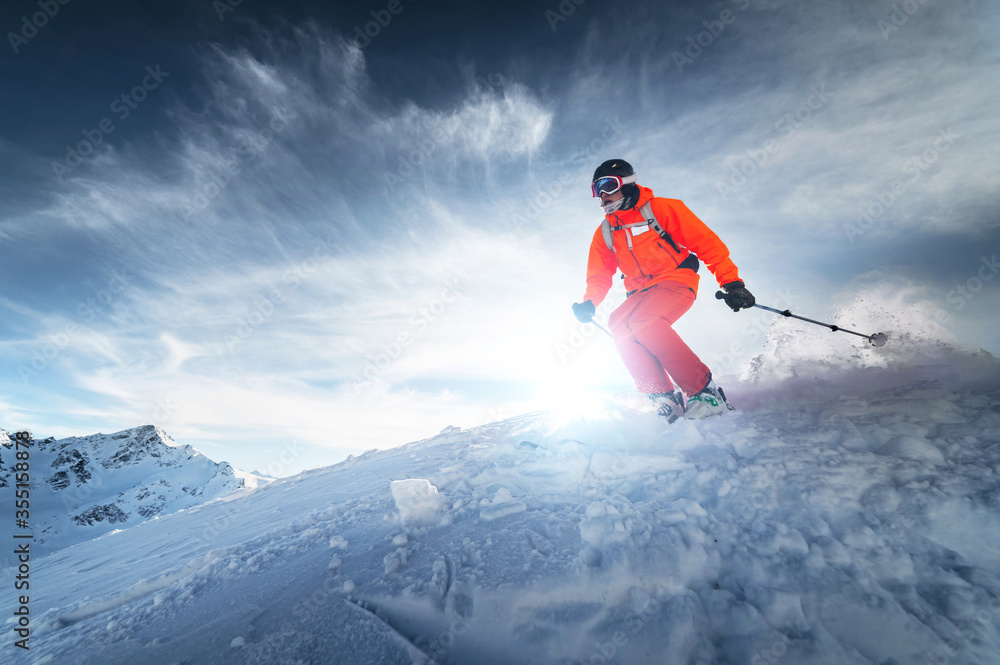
(620, 167)
(617, 167)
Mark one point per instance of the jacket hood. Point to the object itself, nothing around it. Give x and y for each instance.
(645, 196)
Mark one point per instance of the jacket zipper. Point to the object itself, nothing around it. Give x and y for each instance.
(634, 257)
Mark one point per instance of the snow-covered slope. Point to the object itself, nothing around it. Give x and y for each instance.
(852, 518)
(252, 479)
(87, 486)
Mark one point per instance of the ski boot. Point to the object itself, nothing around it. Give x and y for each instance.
(669, 405)
(709, 401)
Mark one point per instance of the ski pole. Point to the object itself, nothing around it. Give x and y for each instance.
(602, 328)
(878, 339)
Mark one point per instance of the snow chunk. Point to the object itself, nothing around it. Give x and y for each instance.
(914, 448)
(338, 542)
(503, 495)
(238, 642)
(393, 561)
(603, 525)
(503, 504)
(671, 516)
(335, 563)
(417, 500)
(491, 513)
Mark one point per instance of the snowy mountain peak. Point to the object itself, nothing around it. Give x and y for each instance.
(97, 483)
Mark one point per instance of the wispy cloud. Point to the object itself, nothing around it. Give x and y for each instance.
(308, 255)
(266, 266)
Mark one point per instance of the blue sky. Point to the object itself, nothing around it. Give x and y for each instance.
(255, 229)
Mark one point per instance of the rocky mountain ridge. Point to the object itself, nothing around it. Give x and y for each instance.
(83, 487)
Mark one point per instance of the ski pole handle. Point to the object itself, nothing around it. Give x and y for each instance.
(721, 295)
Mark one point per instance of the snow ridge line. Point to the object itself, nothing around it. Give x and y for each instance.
(138, 590)
(251, 555)
(363, 606)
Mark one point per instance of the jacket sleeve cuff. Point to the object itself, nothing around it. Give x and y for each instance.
(729, 287)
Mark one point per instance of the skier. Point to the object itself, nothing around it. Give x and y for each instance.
(654, 242)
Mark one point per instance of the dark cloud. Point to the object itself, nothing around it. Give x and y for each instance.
(326, 170)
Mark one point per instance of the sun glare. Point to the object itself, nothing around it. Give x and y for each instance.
(568, 399)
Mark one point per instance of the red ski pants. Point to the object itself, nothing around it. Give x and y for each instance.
(642, 328)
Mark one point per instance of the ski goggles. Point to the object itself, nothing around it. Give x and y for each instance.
(610, 184)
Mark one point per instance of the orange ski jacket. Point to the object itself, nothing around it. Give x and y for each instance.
(651, 259)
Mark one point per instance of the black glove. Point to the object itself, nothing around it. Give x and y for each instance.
(584, 311)
(737, 296)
